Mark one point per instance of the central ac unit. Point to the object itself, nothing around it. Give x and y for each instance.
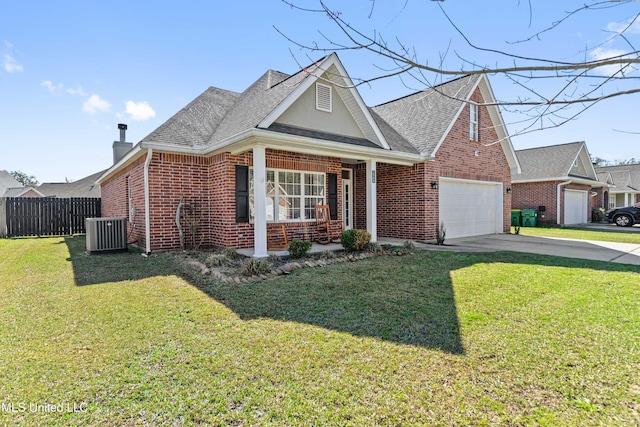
(106, 234)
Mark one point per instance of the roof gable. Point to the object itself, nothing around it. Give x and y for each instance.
(302, 113)
(330, 71)
(623, 176)
(555, 162)
(424, 119)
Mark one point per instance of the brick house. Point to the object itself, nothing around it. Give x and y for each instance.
(396, 169)
(625, 184)
(560, 182)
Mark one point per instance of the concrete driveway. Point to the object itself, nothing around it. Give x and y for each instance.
(623, 253)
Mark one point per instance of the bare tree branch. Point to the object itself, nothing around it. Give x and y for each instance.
(582, 83)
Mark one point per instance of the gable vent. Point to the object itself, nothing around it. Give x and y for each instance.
(323, 97)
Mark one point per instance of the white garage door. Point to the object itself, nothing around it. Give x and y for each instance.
(470, 208)
(575, 207)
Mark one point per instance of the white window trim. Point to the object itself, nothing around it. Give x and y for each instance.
(302, 194)
(319, 106)
(474, 133)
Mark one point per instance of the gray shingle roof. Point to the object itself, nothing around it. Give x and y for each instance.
(195, 123)
(422, 119)
(85, 187)
(255, 103)
(412, 124)
(622, 174)
(6, 182)
(553, 161)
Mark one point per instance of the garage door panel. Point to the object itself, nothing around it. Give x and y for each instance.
(470, 208)
(575, 207)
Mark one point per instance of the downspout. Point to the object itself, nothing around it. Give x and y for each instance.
(147, 214)
(558, 203)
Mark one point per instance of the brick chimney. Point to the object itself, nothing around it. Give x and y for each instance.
(120, 148)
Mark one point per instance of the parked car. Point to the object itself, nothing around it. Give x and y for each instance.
(624, 217)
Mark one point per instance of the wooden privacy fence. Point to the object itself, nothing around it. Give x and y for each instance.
(26, 216)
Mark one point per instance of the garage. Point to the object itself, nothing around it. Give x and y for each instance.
(575, 207)
(470, 208)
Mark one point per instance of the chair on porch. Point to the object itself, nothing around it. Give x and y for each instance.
(322, 224)
(277, 237)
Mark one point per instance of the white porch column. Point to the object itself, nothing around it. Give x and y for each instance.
(372, 210)
(259, 202)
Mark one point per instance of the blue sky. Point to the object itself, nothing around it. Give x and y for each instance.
(71, 71)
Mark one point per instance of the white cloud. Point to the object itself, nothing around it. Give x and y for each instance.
(51, 87)
(139, 110)
(78, 91)
(599, 53)
(9, 62)
(94, 104)
(627, 26)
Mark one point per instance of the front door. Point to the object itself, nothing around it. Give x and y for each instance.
(347, 199)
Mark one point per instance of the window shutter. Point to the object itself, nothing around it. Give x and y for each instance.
(332, 195)
(242, 193)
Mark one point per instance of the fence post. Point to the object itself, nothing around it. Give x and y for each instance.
(3, 217)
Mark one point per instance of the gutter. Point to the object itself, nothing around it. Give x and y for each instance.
(558, 197)
(147, 214)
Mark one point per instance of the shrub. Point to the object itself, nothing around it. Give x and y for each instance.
(230, 253)
(375, 248)
(597, 214)
(329, 255)
(256, 267)
(355, 240)
(441, 233)
(298, 248)
(408, 245)
(216, 260)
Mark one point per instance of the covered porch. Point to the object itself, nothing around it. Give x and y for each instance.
(262, 202)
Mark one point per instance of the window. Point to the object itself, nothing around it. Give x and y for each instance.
(323, 97)
(291, 195)
(473, 122)
(612, 201)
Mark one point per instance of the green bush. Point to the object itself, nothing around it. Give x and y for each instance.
(298, 248)
(355, 240)
(597, 214)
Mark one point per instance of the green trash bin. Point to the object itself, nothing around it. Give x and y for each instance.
(516, 217)
(529, 217)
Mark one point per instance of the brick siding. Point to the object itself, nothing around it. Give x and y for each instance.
(407, 206)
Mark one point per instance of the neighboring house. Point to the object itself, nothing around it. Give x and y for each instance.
(85, 187)
(560, 182)
(626, 181)
(23, 192)
(396, 170)
(6, 182)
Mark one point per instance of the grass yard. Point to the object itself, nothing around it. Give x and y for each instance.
(605, 235)
(433, 338)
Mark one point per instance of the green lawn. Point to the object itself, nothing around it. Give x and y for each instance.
(434, 338)
(609, 235)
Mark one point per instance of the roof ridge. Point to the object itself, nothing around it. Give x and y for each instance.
(550, 146)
